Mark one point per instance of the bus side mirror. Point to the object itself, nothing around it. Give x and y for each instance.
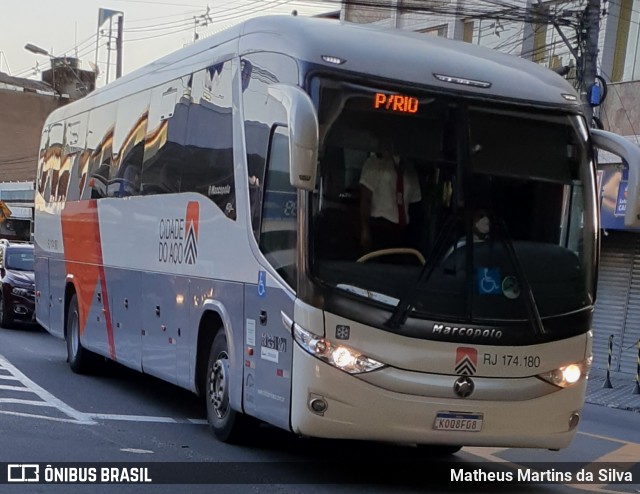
(303, 134)
(630, 153)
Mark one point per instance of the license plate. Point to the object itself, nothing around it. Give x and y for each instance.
(458, 421)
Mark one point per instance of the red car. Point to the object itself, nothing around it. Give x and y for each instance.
(17, 293)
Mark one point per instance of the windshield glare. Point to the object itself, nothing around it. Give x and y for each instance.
(496, 202)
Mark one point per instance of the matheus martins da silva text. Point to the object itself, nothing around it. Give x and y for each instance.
(605, 475)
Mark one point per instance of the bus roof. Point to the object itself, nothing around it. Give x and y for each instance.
(392, 54)
(408, 56)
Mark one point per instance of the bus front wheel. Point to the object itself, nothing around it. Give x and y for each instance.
(225, 423)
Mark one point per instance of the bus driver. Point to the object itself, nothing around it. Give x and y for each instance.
(388, 184)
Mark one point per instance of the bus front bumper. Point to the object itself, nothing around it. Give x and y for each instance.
(358, 410)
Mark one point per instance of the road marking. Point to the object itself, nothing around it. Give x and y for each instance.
(77, 417)
(16, 388)
(489, 454)
(145, 418)
(198, 421)
(26, 402)
(137, 451)
(131, 418)
(8, 377)
(605, 438)
(47, 397)
(33, 415)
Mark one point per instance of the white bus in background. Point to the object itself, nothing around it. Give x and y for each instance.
(199, 220)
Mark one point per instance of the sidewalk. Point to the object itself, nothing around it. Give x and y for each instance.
(620, 395)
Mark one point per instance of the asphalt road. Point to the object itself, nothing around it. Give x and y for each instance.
(119, 415)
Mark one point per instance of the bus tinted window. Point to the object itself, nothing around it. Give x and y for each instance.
(128, 145)
(278, 235)
(494, 211)
(164, 150)
(100, 143)
(258, 71)
(208, 168)
(190, 148)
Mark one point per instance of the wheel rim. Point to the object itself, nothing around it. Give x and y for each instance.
(75, 336)
(218, 387)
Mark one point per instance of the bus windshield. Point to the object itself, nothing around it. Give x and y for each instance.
(443, 207)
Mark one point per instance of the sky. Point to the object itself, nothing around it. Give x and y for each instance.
(152, 29)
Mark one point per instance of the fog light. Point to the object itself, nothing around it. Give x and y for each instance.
(573, 420)
(318, 405)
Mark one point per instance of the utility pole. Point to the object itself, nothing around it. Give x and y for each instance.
(119, 46)
(591, 29)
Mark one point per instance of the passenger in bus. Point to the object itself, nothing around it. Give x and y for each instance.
(388, 185)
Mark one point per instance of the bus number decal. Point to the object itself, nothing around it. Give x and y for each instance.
(277, 343)
(529, 361)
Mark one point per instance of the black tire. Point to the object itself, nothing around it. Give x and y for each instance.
(80, 359)
(5, 317)
(227, 425)
(438, 450)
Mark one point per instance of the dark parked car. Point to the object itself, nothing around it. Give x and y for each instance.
(17, 292)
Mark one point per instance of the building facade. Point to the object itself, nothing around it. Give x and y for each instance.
(24, 106)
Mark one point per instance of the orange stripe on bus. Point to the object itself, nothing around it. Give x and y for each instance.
(83, 259)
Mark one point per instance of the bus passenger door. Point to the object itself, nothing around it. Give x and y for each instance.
(267, 380)
(164, 323)
(268, 355)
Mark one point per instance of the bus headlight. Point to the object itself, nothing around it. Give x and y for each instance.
(339, 356)
(567, 375)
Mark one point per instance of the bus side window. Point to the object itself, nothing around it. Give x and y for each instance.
(258, 71)
(278, 234)
(100, 144)
(53, 157)
(208, 165)
(128, 145)
(165, 151)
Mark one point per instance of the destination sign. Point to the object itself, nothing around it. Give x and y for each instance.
(398, 103)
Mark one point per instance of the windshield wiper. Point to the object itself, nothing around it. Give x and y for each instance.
(405, 305)
(529, 300)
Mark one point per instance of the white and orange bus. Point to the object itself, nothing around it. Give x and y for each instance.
(202, 220)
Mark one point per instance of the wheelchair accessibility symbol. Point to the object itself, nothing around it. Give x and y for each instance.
(488, 281)
(262, 283)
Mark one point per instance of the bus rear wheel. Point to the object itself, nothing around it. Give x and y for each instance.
(80, 359)
(226, 424)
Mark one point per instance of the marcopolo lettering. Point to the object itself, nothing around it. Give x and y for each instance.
(219, 190)
(469, 332)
